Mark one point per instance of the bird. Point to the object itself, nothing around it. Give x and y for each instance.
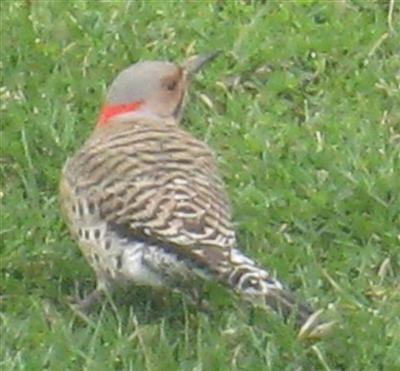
(146, 203)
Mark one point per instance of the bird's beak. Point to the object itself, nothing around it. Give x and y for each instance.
(196, 63)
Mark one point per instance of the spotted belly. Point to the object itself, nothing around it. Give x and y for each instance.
(123, 261)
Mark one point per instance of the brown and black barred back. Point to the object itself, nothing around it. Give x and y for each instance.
(145, 201)
(156, 180)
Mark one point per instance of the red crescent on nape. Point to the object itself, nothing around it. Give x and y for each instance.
(110, 111)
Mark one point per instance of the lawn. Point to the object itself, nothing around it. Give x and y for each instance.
(302, 108)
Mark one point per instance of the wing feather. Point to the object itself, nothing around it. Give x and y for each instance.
(157, 181)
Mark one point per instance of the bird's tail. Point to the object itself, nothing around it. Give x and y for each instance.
(255, 285)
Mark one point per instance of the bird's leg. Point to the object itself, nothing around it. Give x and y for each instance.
(88, 303)
(195, 296)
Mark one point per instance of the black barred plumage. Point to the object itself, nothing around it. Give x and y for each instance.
(145, 200)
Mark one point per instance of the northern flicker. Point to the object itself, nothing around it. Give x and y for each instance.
(146, 203)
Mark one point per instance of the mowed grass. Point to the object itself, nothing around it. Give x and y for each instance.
(303, 111)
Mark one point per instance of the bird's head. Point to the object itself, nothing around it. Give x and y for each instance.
(151, 88)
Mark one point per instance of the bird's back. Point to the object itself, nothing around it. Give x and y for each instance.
(147, 182)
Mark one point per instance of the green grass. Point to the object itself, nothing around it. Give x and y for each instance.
(308, 141)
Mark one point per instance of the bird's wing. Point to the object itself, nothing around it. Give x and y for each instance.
(159, 183)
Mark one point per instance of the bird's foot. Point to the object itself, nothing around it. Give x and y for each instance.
(85, 305)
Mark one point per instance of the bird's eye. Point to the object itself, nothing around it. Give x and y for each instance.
(171, 85)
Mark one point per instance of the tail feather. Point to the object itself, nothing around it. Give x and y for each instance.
(255, 285)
